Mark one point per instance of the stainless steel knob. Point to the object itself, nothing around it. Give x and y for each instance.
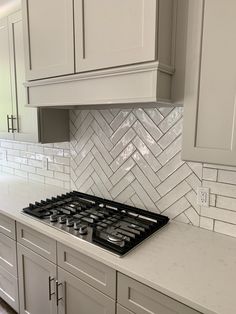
(70, 222)
(62, 219)
(53, 218)
(82, 229)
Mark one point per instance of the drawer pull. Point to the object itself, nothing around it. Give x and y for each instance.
(57, 292)
(50, 293)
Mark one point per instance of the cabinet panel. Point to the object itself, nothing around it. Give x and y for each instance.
(34, 273)
(37, 242)
(142, 299)
(27, 129)
(5, 81)
(8, 254)
(48, 29)
(79, 297)
(7, 226)
(122, 310)
(96, 274)
(210, 93)
(9, 289)
(112, 33)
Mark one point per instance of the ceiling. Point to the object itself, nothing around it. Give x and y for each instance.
(8, 6)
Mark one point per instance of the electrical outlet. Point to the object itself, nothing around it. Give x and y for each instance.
(3, 155)
(45, 163)
(203, 196)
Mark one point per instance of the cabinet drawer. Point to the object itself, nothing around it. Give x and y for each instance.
(7, 226)
(8, 254)
(144, 300)
(37, 242)
(94, 273)
(9, 289)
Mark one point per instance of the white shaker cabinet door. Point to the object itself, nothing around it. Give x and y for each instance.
(5, 82)
(210, 97)
(36, 283)
(26, 123)
(110, 33)
(48, 29)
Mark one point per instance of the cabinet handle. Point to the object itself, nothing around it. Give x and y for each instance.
(50, 279)
(8, 125)
(57, 292)
(11, 129)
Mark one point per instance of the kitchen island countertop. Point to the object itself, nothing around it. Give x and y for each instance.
(192, 265)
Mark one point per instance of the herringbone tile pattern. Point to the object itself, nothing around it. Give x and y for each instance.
(133, 156)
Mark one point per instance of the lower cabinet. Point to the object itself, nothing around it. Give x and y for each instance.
(141, 299)
(36, 283)
(9, 289)
(77, 297)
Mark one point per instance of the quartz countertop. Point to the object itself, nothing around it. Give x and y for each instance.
(192, 265)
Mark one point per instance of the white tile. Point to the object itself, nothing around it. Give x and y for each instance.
(219, 214)
(192, 198)
(62, 160)
(45, 173)
(171, 119)
(102, 149)
(155, 115)
(192, 216)
(122, 143)
(142, 194)
(227, 177)
(193, 181)
(80, 180)
(207, 223)
(146, 184)
(197, 168)
(226, 202)
(171, 151)
(209, 174)
(102, 122)
(173, 180)
(36, 177)
(61, 176)
(101, 135)
(147, 154)
(174, 195)
(148, 123)
(148, 140)
(149, 173)
(123, 128)
(98, 169)
(119, 119)
(122, 184)
(177, 208)
(55, 182)
(171, 135)
(102, 162)
(225, 228)
(170, 167)
(126, 153)
(221, 188)
(122, 171)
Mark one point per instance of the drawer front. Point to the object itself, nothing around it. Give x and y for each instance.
(8, 254)
(7, 226)
(122, 310)
(144, 300)
(94, 273)
(37, 242)
(9, 289)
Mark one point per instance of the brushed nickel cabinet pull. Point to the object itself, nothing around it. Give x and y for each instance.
(57, 292)
(50, 293)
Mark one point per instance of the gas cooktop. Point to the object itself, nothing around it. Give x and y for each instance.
(108, 224)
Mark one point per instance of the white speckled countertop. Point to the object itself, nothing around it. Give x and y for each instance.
(192, 265)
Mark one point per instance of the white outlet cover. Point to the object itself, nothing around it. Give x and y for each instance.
(203, 196)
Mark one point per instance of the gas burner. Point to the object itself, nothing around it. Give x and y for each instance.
(113, 226)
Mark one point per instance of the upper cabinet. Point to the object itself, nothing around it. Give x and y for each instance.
(210, 95)
(49, 45)
(110, 33)
(87, 52)
(18, 122)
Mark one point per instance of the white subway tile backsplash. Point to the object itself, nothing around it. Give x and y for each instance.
(132, 156)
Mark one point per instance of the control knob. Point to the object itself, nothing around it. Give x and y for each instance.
(82, 229)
